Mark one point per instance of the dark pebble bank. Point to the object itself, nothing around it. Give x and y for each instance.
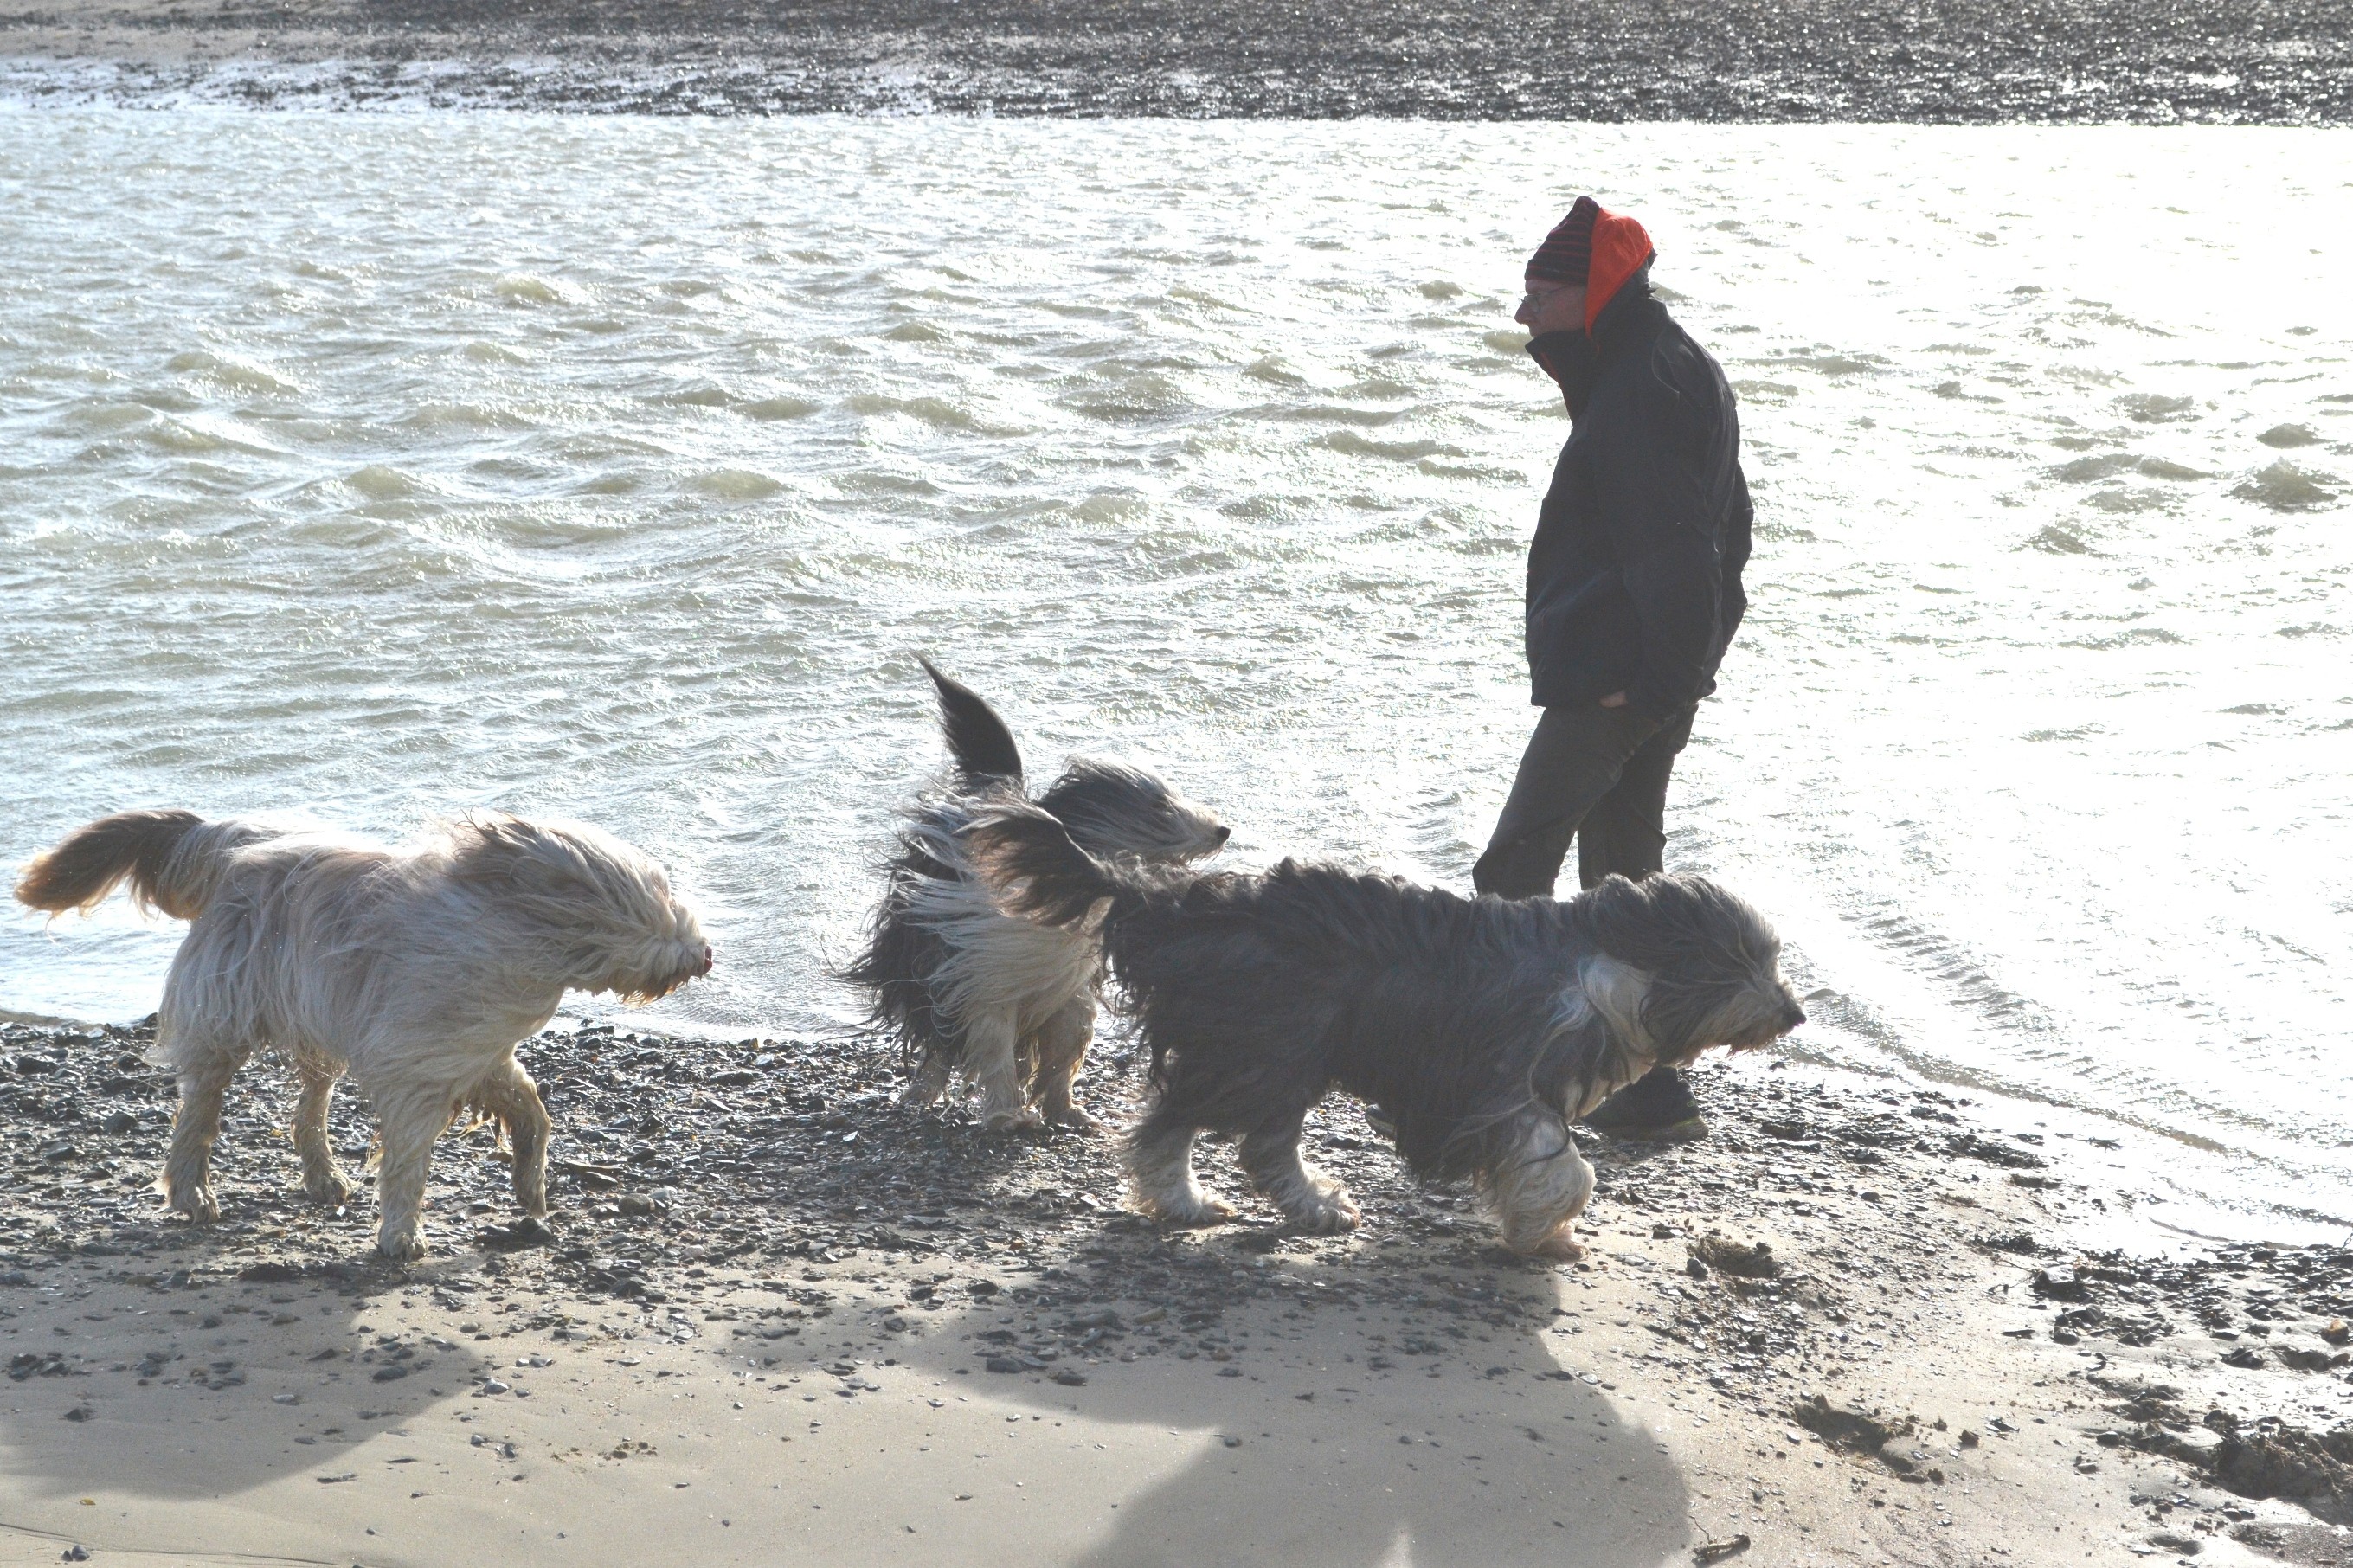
(1955, 61)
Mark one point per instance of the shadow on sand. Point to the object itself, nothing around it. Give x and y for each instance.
(1350, 1419)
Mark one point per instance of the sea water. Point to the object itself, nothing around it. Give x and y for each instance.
(377, 466)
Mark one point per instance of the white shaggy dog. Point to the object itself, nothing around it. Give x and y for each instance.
(415, 970)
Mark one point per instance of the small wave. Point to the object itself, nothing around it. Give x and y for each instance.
(2283, 487)
(482, 353)
(1475, 474)
(936, 412)
(915, 332)
(1357, 446)
(183, 437)
(2152, 408)
(779, 408)
(531, 288)
(1334, 414)
(438, 416)
(1192, 296)
(2285, 436)
(2128, 500)
(2139, 636)
(379, 481)
(2057, 541)
(2089, 470)
(1111, 506)
(224, 371)
(1143, 395)
(736, 485)
(1833, 364)
(872, 483)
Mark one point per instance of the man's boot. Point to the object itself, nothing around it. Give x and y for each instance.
(1657, 1106)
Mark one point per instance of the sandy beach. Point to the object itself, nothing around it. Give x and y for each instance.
(1975, 62)
(778, 1318)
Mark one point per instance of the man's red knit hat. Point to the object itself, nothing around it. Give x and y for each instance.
(1593, 246)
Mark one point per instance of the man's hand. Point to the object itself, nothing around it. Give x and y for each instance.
(1615, 699)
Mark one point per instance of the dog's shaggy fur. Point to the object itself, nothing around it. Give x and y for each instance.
(1010, 1002)
(1485, 1027)
(416, 971)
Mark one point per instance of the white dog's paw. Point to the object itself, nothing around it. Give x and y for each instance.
(1077, 1117)
(197, 1202)
(401, 1246)
(1560, 1246)
(1018, 1118)
(327, 1188)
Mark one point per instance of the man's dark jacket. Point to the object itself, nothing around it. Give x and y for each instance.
(1634, 575)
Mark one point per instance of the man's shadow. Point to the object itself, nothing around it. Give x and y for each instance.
(1363, 1414)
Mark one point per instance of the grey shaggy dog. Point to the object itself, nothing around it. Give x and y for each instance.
(416, 970)
(961, 985)
(1484, 1027)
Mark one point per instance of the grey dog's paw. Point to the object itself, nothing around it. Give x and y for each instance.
(1203, 1210)
(1330, 1213)
(1023, 1120)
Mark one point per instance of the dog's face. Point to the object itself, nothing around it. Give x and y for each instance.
(1112, 810)
(611, 917)
(668, 950)
(1712, 963)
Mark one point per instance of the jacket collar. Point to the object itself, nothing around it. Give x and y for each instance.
(1575, 359)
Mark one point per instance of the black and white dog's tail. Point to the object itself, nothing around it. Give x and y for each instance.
(979, 740)
(1035, 871)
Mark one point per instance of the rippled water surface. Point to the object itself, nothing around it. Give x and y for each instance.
(376, 465)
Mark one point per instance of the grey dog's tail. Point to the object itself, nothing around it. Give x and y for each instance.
(977, 738)
(171, 858)
(1035, 871)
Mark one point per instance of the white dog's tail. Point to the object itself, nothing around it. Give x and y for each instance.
(171, 858)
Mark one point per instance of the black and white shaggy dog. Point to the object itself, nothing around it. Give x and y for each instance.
(415, 970)
(1483, 1026)
(1010, 1002)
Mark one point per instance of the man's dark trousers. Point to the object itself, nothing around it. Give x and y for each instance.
(1593, 773)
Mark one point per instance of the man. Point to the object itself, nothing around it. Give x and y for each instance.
(1633, 586)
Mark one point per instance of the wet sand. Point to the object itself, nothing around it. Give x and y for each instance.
(777, 1315)
(1970, 61)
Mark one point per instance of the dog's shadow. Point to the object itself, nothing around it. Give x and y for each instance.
(165, 1361)
(1339, 1416)
(188, 1384)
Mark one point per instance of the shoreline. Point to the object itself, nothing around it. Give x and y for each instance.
(1978, 62)
(896, 1336)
